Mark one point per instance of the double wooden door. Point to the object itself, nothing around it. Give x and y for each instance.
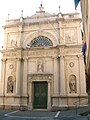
(40, 95)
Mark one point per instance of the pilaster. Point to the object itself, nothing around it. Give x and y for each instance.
(30, 107)
(62, 76)
(25, 77)
(49, 97)
(82, 75)
(56, 77)
(18, 76)
(3, 73)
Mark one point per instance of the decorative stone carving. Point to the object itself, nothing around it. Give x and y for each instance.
(13, 43)
(29, 37)
(71, 64)
(40, 66)
(11, 66)
(72, 83)
(32, 77)
(70, 36)
(12, 40)
(42, 53)
(10, 84)
(10, 54)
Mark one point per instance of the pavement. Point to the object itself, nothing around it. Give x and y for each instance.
(71, 114)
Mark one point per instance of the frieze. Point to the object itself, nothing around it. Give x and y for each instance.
(39, 77)
(42, 53)
(72, 51)
(10, 54)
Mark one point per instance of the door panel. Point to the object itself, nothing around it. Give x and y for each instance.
(40, 95)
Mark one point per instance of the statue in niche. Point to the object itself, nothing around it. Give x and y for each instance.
(72, 84)
(10, 85)
(40, 66)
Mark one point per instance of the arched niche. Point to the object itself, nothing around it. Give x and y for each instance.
(11, 84)
(72, 84)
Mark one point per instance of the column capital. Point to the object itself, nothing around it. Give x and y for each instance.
(25, 58)
(55, 57)
(62, 57)
(18, 59)
(4, 60)
(80, 56)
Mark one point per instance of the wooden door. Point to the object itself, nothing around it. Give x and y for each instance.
(40, 95)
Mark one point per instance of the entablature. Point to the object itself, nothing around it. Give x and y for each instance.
(43, 52)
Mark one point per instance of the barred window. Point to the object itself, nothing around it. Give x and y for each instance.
(40, 41)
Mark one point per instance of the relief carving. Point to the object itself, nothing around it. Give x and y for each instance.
(13, 43)
(36, 77)
(10, 54)
(13, 68)
(70, 36)
(12, 40)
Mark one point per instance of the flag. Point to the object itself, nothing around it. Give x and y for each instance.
(76, 3)
(84, 48)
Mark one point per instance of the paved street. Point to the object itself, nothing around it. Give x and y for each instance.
(45, 115)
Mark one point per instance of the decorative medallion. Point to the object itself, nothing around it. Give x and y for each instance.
(11, 66)
(71, 64)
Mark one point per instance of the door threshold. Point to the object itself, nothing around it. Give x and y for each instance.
(40, 109)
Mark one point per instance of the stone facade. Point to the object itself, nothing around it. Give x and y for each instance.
(43, 48)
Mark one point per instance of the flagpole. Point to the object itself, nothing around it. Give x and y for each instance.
(41, 2)
(76, 10)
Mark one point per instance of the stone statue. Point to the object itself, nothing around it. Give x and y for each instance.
(40, 66)
(72, 84)
(10, 85)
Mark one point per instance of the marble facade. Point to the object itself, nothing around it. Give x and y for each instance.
(27, 59)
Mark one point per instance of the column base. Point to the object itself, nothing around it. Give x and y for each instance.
(49, 106)
(30, 106)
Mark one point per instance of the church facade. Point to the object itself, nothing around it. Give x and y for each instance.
(42, 62)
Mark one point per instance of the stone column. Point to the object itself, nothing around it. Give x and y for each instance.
(18, 77)
(49, 97)
(82, 75)
(25, 77)
(62, 76)
(30, 95)
(3, 72)
(56, 77)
